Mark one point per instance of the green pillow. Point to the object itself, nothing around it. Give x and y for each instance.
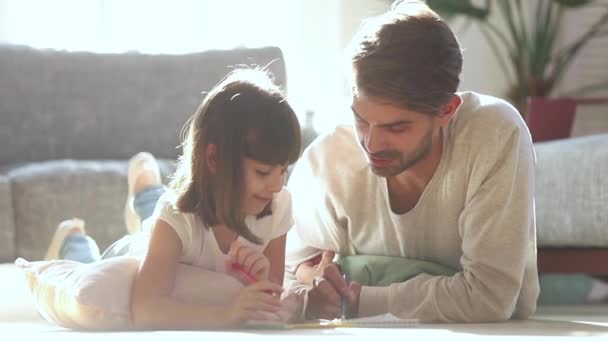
(375, 270)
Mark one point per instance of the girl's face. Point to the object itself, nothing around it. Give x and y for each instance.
(262, 181)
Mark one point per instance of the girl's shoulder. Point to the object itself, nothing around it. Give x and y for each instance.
(168, 210)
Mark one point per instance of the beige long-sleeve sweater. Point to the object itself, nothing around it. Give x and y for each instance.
(476, 215)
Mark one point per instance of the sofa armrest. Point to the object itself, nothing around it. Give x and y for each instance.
(572, 192)
(7, 221)
(46, 193)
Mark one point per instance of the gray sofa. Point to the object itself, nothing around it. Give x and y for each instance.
(69, 121)
(572, 205)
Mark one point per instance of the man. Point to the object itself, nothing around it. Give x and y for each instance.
(425, 175)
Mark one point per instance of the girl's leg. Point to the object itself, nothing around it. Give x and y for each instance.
(79, 247)
(70, 242)
(144, 201)
(145, 189)
(118, 248)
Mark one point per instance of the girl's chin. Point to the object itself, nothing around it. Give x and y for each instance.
(255, 212)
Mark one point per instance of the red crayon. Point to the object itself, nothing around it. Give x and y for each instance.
(236, 267)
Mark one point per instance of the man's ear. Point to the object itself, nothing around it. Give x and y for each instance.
(449, 109)
(211, 156)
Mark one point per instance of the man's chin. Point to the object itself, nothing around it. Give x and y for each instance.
(383, 171)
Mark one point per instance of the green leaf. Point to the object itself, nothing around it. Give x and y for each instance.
(450, 8)
(572, 3)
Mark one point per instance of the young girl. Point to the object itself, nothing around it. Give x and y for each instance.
(225, 204)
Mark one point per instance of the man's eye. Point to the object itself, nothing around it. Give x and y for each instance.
(397, 129)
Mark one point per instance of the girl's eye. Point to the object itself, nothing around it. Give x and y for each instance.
(262, 173)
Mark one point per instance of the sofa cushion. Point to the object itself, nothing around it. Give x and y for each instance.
(80, 105)
(7, 224)
(572, 192)
(46, 193)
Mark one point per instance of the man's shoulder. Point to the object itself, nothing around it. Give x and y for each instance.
(484, 129)
(339, 145)
(486, 117)
(332, 160)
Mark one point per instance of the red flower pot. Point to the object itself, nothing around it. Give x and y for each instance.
(550, 118)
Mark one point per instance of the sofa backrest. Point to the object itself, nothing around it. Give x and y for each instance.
(80, 105)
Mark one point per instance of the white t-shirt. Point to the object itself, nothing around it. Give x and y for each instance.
(475, 215)
(199, 246)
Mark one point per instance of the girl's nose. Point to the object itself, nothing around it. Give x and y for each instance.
(277, 183)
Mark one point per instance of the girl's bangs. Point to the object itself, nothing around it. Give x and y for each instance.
(274, 142)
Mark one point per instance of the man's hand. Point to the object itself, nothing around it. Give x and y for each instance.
(353, 300)
(328, 288)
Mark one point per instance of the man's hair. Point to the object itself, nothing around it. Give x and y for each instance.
(245, 115)
(408, 57)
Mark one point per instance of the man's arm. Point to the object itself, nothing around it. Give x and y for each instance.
(314, 235)
(498, 233)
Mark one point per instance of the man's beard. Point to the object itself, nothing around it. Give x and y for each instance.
(404, 162)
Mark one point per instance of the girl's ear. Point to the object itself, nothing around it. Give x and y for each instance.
(211, 156)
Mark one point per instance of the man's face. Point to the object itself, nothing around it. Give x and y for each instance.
(393, 138)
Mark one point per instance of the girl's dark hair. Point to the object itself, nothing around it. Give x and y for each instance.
(245, 115)
(408, 57)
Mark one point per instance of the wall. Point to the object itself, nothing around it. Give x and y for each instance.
(314, 33)
(589, 67)
(3, 19)
(482, 72)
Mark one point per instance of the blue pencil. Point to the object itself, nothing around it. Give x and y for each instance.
(343, 301)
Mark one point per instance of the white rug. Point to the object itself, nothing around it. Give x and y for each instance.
(19, 322)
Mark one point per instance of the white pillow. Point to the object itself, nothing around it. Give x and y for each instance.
(97, 296)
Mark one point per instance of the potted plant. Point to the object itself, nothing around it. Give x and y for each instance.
(534, 63)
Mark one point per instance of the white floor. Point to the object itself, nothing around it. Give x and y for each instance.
(598, 314)
(19, 322)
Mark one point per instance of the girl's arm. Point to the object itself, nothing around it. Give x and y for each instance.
(275, 252)
(153, 307)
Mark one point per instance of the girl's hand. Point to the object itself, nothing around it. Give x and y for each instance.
(255, 302)
(290, 312)
(252, 260)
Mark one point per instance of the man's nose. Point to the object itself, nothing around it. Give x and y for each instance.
(372, 142)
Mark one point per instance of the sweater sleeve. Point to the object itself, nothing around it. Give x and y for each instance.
(498, 237)
(314, 227)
